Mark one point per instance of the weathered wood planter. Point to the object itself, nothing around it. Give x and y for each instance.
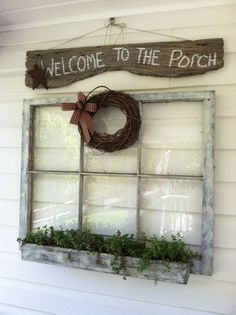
(158, 270)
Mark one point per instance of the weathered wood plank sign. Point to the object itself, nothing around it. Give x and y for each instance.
(165, 59)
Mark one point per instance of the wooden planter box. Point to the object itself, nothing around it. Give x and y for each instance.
(158, 270)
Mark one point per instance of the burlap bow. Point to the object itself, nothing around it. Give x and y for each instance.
(82, 115)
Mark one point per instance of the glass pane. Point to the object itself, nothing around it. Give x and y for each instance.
(162, 222)
(56, 141)
(110, 204)
(55, 201)
(109, 120)
(169, 206)
(124, 161)
(172, 139)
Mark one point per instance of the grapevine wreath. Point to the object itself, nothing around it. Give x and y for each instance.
(87, 106)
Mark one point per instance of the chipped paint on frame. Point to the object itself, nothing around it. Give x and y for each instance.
(204, 266)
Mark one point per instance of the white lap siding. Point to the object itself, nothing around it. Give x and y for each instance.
(32, 288)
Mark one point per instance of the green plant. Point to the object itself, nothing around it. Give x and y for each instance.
(160, 249)
(121, 246)
(118, 245)
(39, 236)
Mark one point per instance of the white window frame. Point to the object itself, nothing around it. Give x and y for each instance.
(205, 265)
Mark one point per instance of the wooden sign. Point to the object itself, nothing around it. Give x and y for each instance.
(165, 59)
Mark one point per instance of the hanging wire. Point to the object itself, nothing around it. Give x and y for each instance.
(108, 27)
(156, 33)
(78, 37)
(111, 23)
(120, 34)
(105, 39)
(62, 43)
(123, 26)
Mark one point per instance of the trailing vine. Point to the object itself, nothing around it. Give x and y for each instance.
(120, 246)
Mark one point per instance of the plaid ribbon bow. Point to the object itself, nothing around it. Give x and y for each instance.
(82, 116)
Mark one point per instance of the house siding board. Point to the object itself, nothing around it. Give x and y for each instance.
(33, 288)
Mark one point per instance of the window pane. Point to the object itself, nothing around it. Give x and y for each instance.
(124, 161)
(172, 139)
(110, 204)
(56, 141)
(168, 223)
(108, 121)
(55, 200)
(170, 206)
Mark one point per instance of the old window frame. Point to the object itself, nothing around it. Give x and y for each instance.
(205, 266)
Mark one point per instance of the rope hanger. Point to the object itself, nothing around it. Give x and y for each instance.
(122, 26)
(108, 34)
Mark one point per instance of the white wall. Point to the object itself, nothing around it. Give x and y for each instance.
(32, 288)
